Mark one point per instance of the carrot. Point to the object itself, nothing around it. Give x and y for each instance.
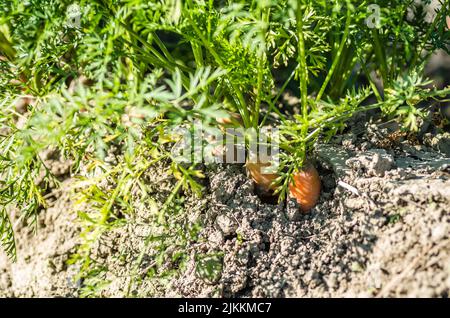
(233, 119)
(264, 180)
(306, 187)
(22, 103)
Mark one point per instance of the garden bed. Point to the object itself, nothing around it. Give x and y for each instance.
(390, 238)
(351, 99)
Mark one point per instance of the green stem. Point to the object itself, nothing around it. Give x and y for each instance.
(258, 93)
(163, 48)
(372, 84)
(241, 101)
(302, 62)
(7, 48)
(427, 37)
(261, 61)
(198, 54)
(168, 63)
(381, 56)
(272, 103)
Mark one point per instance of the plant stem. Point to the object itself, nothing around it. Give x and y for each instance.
(261, 61)
(427, 36)
(381, 56)
(7, 48)
(302, 62)
(242, 105)
(272, 103)
(369, 78)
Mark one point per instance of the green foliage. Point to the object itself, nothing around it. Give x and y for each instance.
(7, 234)
(404, 96)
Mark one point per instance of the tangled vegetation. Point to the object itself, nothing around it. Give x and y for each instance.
(86, 77)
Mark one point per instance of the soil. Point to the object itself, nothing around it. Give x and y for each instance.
(41, 269)
(381, 229)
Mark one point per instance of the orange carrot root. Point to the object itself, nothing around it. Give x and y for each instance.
(306, 187)
(264, 180)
